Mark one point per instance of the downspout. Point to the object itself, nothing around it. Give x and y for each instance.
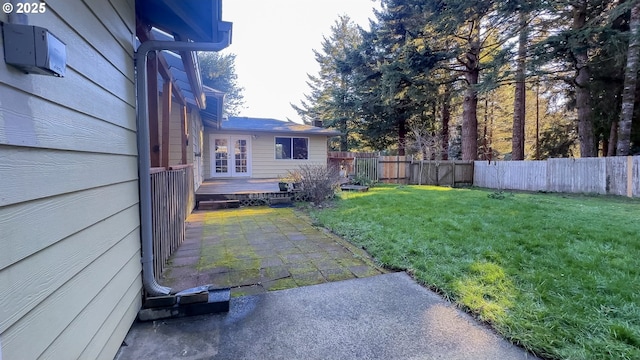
(144, 155)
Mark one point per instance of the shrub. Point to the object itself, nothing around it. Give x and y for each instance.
(319, 182)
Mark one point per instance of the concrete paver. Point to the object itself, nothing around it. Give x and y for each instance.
(257, 249)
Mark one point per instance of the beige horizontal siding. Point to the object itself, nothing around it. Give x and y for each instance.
(196, 139)
(36, 122)
(85, 287)
(59, 263)
(102, 40)
(70, 245)
(206, 153)
(175, 135)
(86, 208)
(265, 164)
(29, 174)
(110, 301)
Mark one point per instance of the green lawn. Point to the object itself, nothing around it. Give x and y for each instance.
(557, 274)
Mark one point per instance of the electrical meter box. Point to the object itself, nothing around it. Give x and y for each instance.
(34, 50)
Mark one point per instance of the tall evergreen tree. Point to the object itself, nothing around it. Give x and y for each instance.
(476, 33)
(582, 34)
(392, 68)
(331, 99)
(218, 71)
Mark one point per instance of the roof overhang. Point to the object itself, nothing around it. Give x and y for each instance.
(212, 114)
(183, 20)
(195, 20)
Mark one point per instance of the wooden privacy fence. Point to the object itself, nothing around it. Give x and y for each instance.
(608, 175)
(172, 198)
(442, 173)
(394, 169)
(403, 169)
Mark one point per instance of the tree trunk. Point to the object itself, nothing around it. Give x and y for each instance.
(446, 116)
(470, 103)
(344, 139)
(402, 136)
(613, 139)
(519, 103)
(586, 136)
(630, 78)
(470, 118)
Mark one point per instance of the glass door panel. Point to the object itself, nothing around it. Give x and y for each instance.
(241, 152)
(221, 156)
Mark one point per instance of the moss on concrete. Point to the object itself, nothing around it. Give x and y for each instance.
(256, 249)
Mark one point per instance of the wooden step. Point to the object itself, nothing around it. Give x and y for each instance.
(217, 204)
(280, 201)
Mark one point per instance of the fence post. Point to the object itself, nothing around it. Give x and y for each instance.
(629, 176)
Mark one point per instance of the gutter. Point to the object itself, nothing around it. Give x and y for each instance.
(149, 282)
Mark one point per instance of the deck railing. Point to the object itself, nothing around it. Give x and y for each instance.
(172, 199)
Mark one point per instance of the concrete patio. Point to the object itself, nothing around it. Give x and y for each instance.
(257, 249)
(385, 317)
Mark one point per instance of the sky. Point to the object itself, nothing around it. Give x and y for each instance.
(274, 40)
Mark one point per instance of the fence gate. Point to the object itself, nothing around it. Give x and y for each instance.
(367, 168)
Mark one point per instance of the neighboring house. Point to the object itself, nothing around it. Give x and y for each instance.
(261, 148)
(70, 197)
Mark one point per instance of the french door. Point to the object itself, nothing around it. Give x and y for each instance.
(230, 155)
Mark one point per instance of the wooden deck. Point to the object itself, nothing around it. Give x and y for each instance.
(238, 186)
(248, 192)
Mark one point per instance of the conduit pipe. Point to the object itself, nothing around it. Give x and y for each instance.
(144, 154)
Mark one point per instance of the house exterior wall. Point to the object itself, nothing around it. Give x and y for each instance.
(194, 129)
(265, 164)
(195, 148)
(70, 268)
(206, 153)
(175, 135)
(263, 157)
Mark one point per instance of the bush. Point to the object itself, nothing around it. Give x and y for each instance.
(319, 182)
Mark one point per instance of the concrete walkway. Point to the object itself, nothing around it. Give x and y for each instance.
(259, 249)
(381, 317)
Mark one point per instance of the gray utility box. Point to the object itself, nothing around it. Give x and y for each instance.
(34, 49)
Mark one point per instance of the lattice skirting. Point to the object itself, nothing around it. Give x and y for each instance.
(261, 199)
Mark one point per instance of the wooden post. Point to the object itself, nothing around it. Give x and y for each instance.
(183, 131)
(152, 85)
(166, 120)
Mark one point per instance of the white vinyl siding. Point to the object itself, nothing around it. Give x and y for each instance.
(69, 216)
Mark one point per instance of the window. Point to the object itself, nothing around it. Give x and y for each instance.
(292, 148)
